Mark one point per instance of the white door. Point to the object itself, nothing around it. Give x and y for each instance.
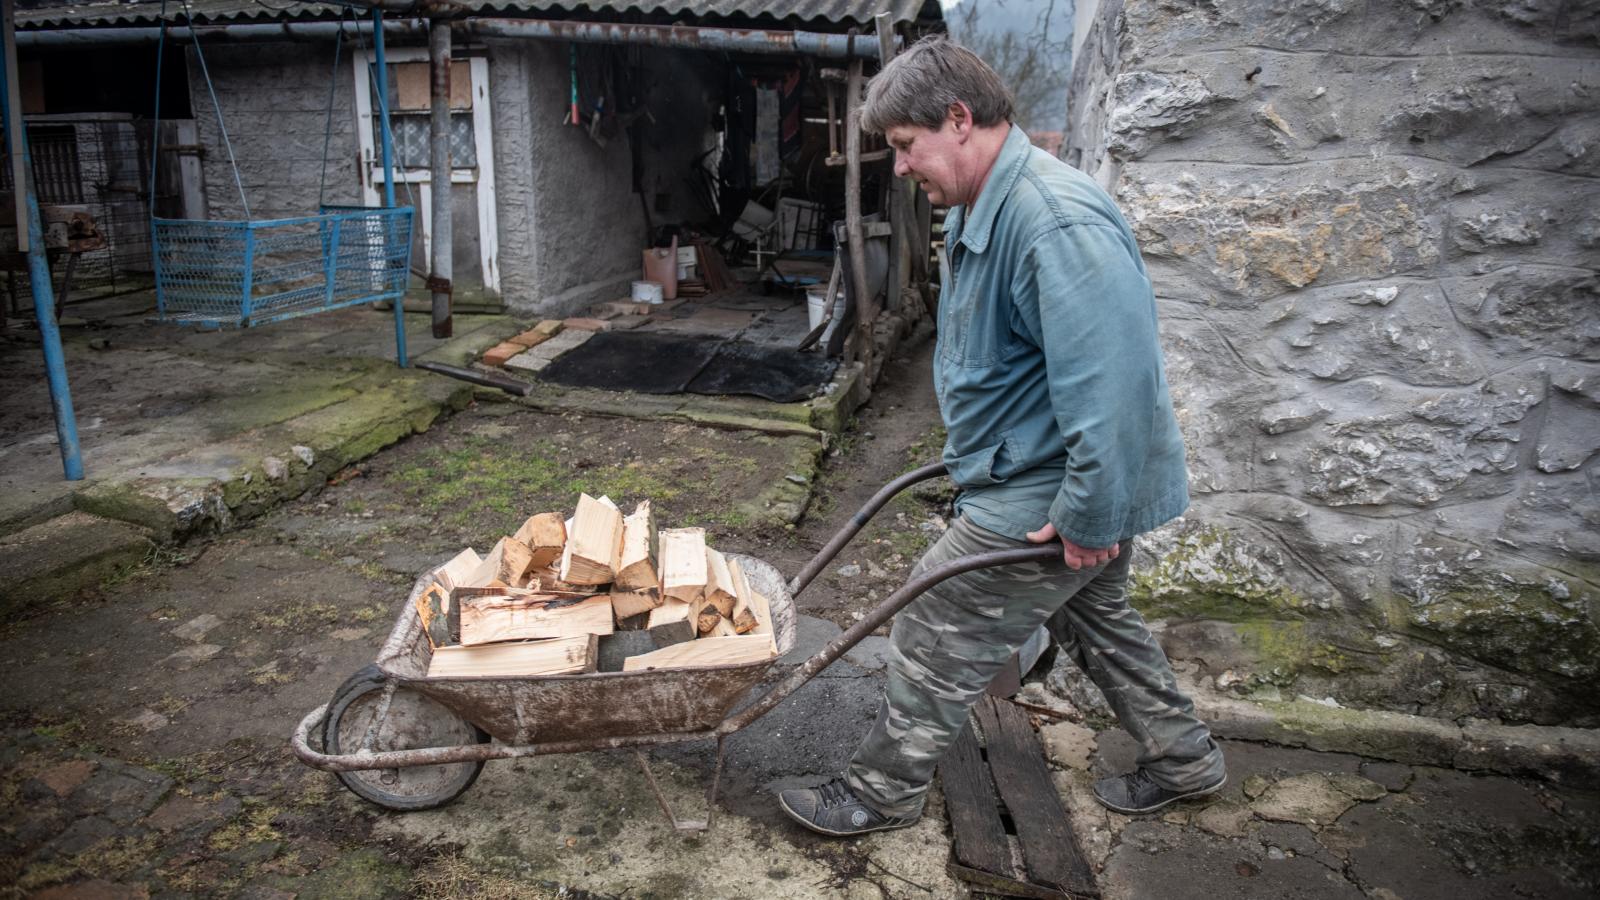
(476, 266)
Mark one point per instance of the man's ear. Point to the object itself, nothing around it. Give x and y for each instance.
(959, 117)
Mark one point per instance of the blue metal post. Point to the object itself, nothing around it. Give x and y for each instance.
(388, 170)
(44, 299)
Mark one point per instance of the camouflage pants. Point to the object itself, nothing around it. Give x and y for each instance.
(952, 641)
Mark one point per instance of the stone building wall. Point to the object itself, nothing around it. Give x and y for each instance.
(1374, 231)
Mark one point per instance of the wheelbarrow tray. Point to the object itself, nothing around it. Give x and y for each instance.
(549, 708)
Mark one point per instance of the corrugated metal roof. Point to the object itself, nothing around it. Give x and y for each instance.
(48, 14)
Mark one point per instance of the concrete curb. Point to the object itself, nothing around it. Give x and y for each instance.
(1569, 755)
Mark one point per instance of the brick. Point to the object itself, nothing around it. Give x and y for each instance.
(499, 353)
(63, 779)
(588, 324)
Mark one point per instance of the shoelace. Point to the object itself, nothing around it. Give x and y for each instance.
(1138, 779)
(834, 793)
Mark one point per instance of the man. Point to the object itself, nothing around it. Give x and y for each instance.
(1050, 382)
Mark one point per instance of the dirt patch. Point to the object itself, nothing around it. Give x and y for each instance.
(476, 477)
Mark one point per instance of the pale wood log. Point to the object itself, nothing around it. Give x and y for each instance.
(594, 540)
(671, 623)
(486, 620)
(722, 628)
(631, 603)
(683, 563)
(706, 619)
(548, 581)
(505, 566)
(460, 568)
(744, 617)
(639, 567)
(719, 583)
(546, 536)
(707, 651)
(562, 656)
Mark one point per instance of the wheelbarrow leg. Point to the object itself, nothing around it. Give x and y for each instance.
(711, 794)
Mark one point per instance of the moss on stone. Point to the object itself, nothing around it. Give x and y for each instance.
(1536, 627)
(1208, 573)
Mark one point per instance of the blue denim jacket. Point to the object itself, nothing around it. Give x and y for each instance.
(1048, 365)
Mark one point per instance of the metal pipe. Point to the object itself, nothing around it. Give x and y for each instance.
(224, 34)
(742, 40)
(44, 305)
(509, 385)
(879, 615)
(852, 221)
(381, 63)
(441, 237)
(859, 521)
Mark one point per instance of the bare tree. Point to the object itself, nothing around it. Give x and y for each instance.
(1025, 41)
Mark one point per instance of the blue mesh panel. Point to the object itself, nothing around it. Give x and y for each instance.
(250, 273)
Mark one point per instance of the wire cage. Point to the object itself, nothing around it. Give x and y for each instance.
(244, 273)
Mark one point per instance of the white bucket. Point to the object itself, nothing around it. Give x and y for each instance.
(816, 302)
(647, 292)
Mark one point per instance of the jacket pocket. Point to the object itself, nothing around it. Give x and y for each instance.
(976, 468)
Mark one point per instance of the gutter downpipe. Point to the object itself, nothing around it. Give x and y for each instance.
(744, 40)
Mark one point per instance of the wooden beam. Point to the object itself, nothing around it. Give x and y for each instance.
(545, 535)
(563, 656)
(708, 651)
(486, 620)
(593, 543)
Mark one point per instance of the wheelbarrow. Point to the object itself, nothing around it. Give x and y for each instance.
(405, 741)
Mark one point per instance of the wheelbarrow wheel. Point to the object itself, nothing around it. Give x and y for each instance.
(410, 721)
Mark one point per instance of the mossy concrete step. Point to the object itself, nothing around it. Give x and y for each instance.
(66, 554)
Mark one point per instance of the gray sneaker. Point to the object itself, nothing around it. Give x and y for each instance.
(1136, 793)
(833, 810)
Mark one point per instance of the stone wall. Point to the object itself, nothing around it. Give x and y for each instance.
(1373, 232)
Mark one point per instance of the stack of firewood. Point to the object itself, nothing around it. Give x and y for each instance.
(597, 592)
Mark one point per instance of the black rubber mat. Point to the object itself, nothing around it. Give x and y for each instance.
(674, 364)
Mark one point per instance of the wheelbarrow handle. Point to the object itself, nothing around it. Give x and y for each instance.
(859, 521)
(882, 613)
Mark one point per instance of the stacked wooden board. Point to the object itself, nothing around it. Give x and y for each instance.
(549, 599)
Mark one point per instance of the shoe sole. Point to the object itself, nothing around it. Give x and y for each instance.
(831, 833)
(1205, 791)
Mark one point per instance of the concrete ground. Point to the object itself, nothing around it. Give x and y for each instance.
(146, 714)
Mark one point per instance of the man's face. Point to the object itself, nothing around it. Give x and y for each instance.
(934, 157)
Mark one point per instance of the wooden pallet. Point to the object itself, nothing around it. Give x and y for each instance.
(1011, 831)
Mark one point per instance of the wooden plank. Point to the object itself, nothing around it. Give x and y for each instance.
(744, 617)
(708, 651)
(545, 535)
(626, 604)
(486, 620)
(719, 583)
(990, 883)
(973, 808)
(638, 565)
(683, 563)
(505, 566)
(1048, 846)
(671, 623)
(593, 543)
(563, 656)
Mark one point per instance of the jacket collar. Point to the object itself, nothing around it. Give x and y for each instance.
(977, 222)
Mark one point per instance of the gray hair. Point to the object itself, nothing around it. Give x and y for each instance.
(918, 86)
